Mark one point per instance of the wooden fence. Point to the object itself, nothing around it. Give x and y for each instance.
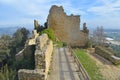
(80, 67)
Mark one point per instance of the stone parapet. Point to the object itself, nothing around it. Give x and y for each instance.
(41, 41)
(24, 74)
(43, 52)
(108, 54)
(48, 54)
(34, 36)
(29, 43)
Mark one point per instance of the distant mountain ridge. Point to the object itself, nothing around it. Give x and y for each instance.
(9, 30)
(113, 33)
(112, 30)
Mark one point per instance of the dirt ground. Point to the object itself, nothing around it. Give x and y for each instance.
(107, 69)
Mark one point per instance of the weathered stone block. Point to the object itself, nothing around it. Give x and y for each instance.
(41, 41)
(24, 74)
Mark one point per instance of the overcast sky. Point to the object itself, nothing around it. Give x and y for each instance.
(95, 13)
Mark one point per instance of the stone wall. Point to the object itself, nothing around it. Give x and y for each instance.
(107, 53)
(66, 28)
(26, 52)
(43, 52)
(41, 41)
(48, 54)
(19, 56)
(32, 41)
(30, 74)
(27, 48)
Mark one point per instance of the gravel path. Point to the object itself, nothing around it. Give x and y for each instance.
(63, 66)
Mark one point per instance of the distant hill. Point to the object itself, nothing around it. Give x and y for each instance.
(113, 33)
(9, 30)
(112, 30)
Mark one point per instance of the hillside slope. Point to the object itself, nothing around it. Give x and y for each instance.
(107, 69)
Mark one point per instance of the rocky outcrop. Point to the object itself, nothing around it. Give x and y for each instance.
(108, 54)
(43, 52)
(36, 25)
(32, 41)
(66, 28)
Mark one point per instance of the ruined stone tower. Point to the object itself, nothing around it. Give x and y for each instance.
(66, 28)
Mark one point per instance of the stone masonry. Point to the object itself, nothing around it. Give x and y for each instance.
(66, 28)
(107, 53)
(34, 36)
(27, 48)
(43, 52)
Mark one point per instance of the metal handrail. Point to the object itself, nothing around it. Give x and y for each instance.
(81, 68)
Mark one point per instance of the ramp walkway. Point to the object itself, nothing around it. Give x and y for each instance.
(64, 66)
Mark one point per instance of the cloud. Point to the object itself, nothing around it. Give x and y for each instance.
(38, 9)
(25, 11)
(108, 8)
(7, 1)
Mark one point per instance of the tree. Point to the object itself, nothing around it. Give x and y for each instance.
(45, 25)
(17, 37)
(7, 74)
(25, 34)
(20, 36)
(98, 36)
(6, 37)
(5, 43)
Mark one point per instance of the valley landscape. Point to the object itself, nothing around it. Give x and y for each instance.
(59, 40)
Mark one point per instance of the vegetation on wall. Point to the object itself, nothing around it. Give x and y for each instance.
(49, 32)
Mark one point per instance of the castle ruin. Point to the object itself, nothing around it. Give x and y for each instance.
(67, 28)
(42, 56)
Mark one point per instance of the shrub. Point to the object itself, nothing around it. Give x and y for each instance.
(88, 44)
(58, 43)
(49, 32)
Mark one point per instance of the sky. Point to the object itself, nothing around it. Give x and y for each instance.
(95, 13)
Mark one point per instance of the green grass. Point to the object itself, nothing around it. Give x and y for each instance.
(58, 43)
(50, 33)
(89, 64)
